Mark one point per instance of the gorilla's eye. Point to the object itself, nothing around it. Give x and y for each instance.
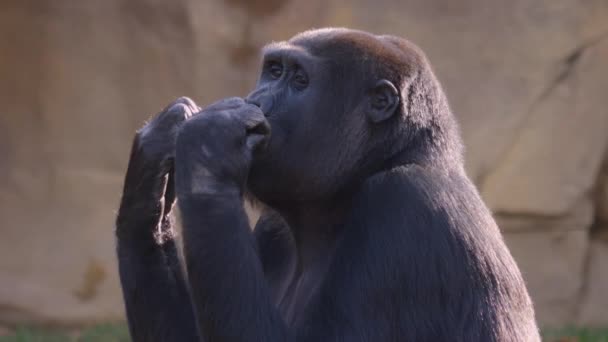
(300, 80)
(275, 69)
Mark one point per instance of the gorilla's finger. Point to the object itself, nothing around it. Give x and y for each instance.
(256, 125)
(251, 115)
(176, 113)
(180, 109)
(194, 108)
(180, 100)
(225, 104)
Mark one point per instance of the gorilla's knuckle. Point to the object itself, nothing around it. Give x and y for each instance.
(178, 110)
(185, 100)
(192, 106)
(229, 103)
(235, 100)
(251, 121)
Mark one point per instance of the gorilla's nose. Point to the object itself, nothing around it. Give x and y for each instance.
(262, 100)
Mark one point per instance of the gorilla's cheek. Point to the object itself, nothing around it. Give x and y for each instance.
(280, 135)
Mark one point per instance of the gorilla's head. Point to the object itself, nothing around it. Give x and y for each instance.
(342, 105)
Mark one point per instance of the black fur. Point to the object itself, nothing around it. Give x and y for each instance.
(371, 229)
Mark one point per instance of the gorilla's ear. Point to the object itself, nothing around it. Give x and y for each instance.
(384, 100)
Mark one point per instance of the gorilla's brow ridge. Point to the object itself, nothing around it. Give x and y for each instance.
(285, 48)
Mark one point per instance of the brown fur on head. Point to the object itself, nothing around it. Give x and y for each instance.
(425, 116)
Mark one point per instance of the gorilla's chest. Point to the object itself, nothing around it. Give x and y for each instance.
(296, 291)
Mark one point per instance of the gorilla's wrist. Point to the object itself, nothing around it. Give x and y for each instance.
(140, 212)
(208, 185)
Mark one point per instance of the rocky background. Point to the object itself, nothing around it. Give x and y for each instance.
(527, 79)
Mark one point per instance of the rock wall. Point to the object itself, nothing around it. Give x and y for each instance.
(527, 79)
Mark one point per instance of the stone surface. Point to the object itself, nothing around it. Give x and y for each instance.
(527, 79)
(556, 158)
(594, 300)
(602, 198)
(551, 254)
(552, 264)
(82, 76)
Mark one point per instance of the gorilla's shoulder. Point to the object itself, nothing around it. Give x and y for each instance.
(428, 191)
(417, 178)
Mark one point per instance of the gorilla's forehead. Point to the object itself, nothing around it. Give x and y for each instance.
(328, 40)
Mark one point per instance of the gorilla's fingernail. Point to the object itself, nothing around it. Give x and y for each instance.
(261, 128)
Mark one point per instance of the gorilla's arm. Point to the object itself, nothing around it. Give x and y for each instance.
(156, 297)
(229, 291)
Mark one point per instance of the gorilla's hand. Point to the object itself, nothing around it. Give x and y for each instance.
(215, 147)
(149, 192)
(157, 137)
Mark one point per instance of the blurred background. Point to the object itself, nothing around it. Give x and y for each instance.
(528, 80)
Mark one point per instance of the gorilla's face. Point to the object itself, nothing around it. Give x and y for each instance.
(323, 104)
(295, 93)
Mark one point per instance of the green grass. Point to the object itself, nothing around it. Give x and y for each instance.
(120, 333)
(99, 333)
(576, 335)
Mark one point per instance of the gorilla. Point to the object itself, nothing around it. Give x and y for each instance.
(370, 229)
